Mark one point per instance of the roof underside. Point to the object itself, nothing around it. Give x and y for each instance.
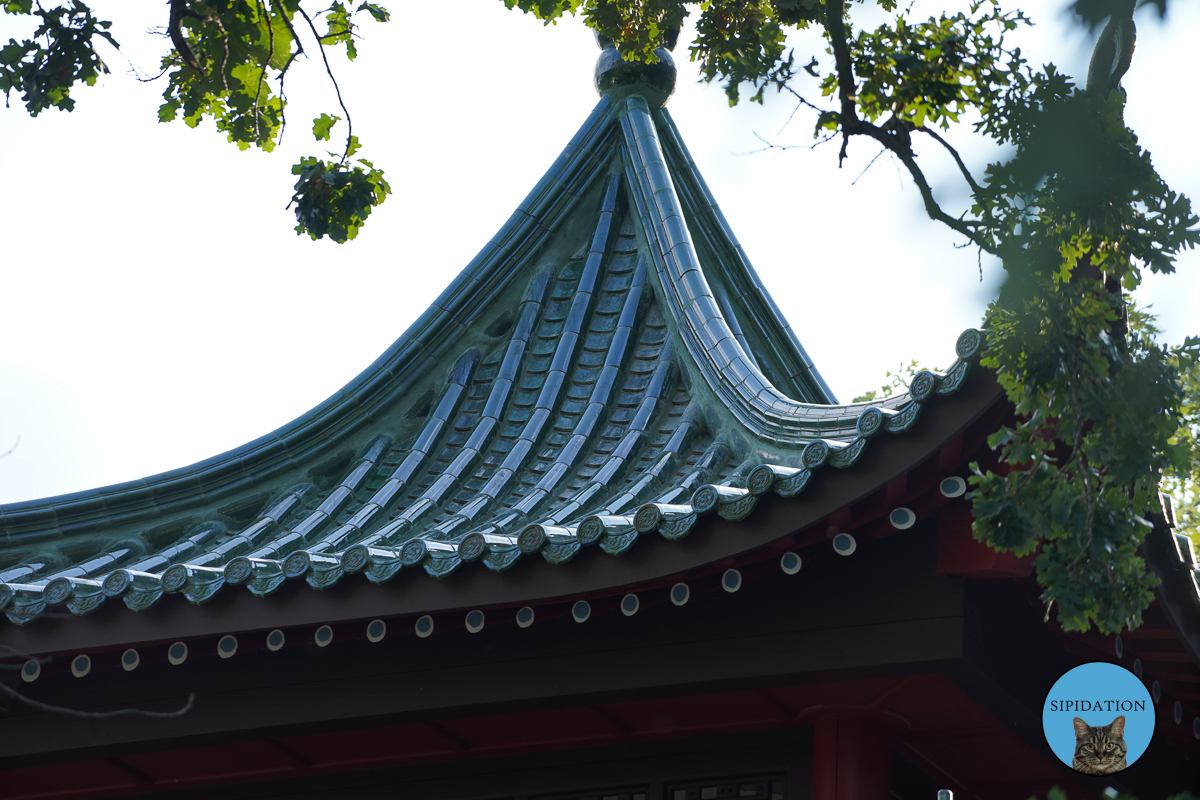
(609, 366)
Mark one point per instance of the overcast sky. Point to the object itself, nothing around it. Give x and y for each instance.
(159, 309)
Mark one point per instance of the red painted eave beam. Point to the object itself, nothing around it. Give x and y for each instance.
(857, 723)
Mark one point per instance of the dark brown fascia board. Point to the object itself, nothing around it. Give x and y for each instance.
(646, 764)
(882, 613)
(413, 592)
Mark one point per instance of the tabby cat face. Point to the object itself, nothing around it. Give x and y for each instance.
(1099, 750)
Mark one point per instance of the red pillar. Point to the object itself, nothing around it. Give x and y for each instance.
(851, 759)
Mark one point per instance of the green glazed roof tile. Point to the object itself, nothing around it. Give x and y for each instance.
(579, 384)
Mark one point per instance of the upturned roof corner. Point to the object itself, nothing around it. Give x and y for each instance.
(609, 366)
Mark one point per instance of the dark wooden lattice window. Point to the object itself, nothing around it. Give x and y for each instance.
(758, 787)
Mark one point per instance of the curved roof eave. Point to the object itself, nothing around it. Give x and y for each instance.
(359, 401)
(717, 539)
(587, 379)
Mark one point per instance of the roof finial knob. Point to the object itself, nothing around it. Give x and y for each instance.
(617, 78)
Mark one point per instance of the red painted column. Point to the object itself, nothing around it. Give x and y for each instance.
(851, 759)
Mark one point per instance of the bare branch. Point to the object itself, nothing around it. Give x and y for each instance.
(966, 228)
(140, 79)
(772, 146)
(799, 104)
(962, 167)
(137, 74)
(898, 142)
(882, 150)
(283, 72)
(336, 89)
(894, 135)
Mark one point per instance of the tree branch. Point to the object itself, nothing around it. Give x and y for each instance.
(772, 146)
(870, 164)
(835, 25)
(893, 136)
(283, 72)
(337, 91)
(178, 11)
(962, 167)
(934, 210)
(800, 103)
(902, 148)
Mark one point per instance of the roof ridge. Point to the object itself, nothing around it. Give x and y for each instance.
(778, 352)
(730, 372)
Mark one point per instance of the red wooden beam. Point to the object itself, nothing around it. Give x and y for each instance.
(959, 553)
(851, 759)
(857, 723)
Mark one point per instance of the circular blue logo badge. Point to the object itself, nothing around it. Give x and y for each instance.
(1098, 718)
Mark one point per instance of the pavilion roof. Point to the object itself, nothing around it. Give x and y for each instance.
(609, 366)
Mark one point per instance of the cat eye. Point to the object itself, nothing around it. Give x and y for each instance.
(1108, 747)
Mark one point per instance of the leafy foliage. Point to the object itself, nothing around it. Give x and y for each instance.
(60, 54)
(742, 42)
(1181, 479)
(932, 71)
(1090, 451)
(1076, 215)
(224, 57)
(334, 198)
(234, 45)
(340, 21)
(896, 381)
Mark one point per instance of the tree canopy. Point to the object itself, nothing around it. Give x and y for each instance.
(1076, 214)
(1074, 210)
(228, 62)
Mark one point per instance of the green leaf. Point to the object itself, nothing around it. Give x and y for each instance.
(322, 126)
(377, 11)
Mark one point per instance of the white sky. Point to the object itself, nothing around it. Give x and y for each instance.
(158, 308)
